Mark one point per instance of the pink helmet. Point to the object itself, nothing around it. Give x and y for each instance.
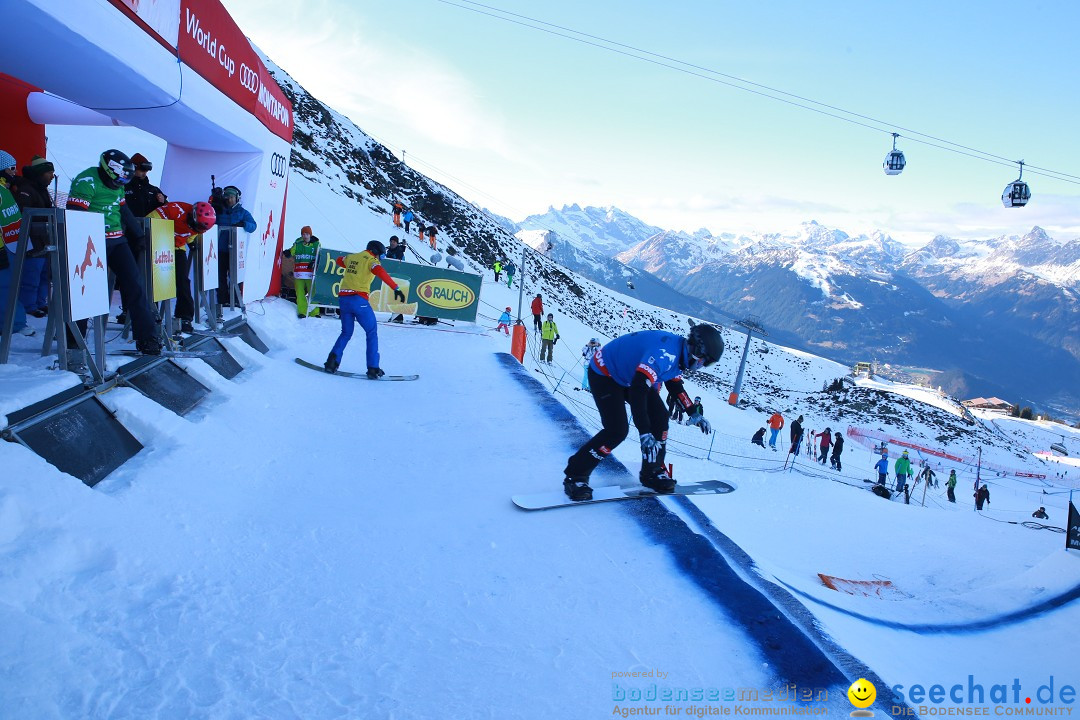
(203, 216)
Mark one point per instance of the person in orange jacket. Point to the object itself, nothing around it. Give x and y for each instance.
(188, 221)
(776, 423)
(537, 311)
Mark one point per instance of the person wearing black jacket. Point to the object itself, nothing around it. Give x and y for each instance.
(837, 449)
(796, 436)
(33, 192)
(396, 250)
(140, 195)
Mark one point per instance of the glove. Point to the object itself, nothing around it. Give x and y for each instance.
(705, 425)
(398, 295)
(555, 341)
(650, 447)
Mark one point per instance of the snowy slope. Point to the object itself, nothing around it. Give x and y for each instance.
(362, 558)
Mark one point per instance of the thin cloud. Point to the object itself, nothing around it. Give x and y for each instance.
(370, 77)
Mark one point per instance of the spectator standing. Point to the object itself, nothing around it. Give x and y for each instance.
(982, 496)
(398, 209)
(504, 321)
(510, 270)
(950, 486)
(304, 252)
(33, 192)
(360, 269)
(407, 218)
(396, 250)
(826, 442)
(232, 214)
(775, 423)
(882, 467)
(140, 195)
(537, 306)
(587, 352)
(927, 475)
(549, 336)
(796, 436)
(902, 470)
(497, 267)
(10, 225)
(100, 189)
(432, 231)
(837, 449)
(188, 221)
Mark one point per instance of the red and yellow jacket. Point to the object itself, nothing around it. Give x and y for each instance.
(178, 212)
(360, 269)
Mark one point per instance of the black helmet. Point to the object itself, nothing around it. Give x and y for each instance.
(376, 248)
(117, 168)
(705, 344)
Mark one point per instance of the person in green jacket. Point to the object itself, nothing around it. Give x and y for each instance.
(10, 225)
(549, 335)
(950, 485)
(100, 189)
(902, 470)
(304, 251)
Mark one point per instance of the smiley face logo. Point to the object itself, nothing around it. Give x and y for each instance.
(862, 693)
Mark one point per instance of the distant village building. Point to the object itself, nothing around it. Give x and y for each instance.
(994, 404)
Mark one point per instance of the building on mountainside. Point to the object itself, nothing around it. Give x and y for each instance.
(994, 404)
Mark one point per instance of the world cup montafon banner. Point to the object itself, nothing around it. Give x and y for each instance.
(429, 291)
(207, 40)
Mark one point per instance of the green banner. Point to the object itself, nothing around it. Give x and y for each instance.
(429, 291)
(163, 246)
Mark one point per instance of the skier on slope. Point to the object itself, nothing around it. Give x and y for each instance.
(587, 352)
(630, 369)
(796, 436)
(837, 450)
(360, 269)
(826, 442)
(776, 424)
(504, 321)
(902, 470)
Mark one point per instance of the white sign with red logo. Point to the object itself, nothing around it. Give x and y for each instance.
(87, 274)
(209, 248)
(243, 239)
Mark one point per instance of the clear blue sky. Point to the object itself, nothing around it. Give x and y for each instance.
(515, 119)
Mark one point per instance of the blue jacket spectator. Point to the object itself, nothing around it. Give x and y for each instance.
(234, 214)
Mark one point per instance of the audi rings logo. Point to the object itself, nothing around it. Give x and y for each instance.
(278, 165)
(249, 78)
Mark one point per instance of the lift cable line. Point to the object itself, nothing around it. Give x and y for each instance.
(738, 83)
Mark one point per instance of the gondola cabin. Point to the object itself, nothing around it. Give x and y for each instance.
(894, 163)
(1016, 194)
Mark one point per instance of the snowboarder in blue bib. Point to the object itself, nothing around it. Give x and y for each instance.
(631, 369)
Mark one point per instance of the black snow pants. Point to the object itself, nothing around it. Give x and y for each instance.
(611, 399)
